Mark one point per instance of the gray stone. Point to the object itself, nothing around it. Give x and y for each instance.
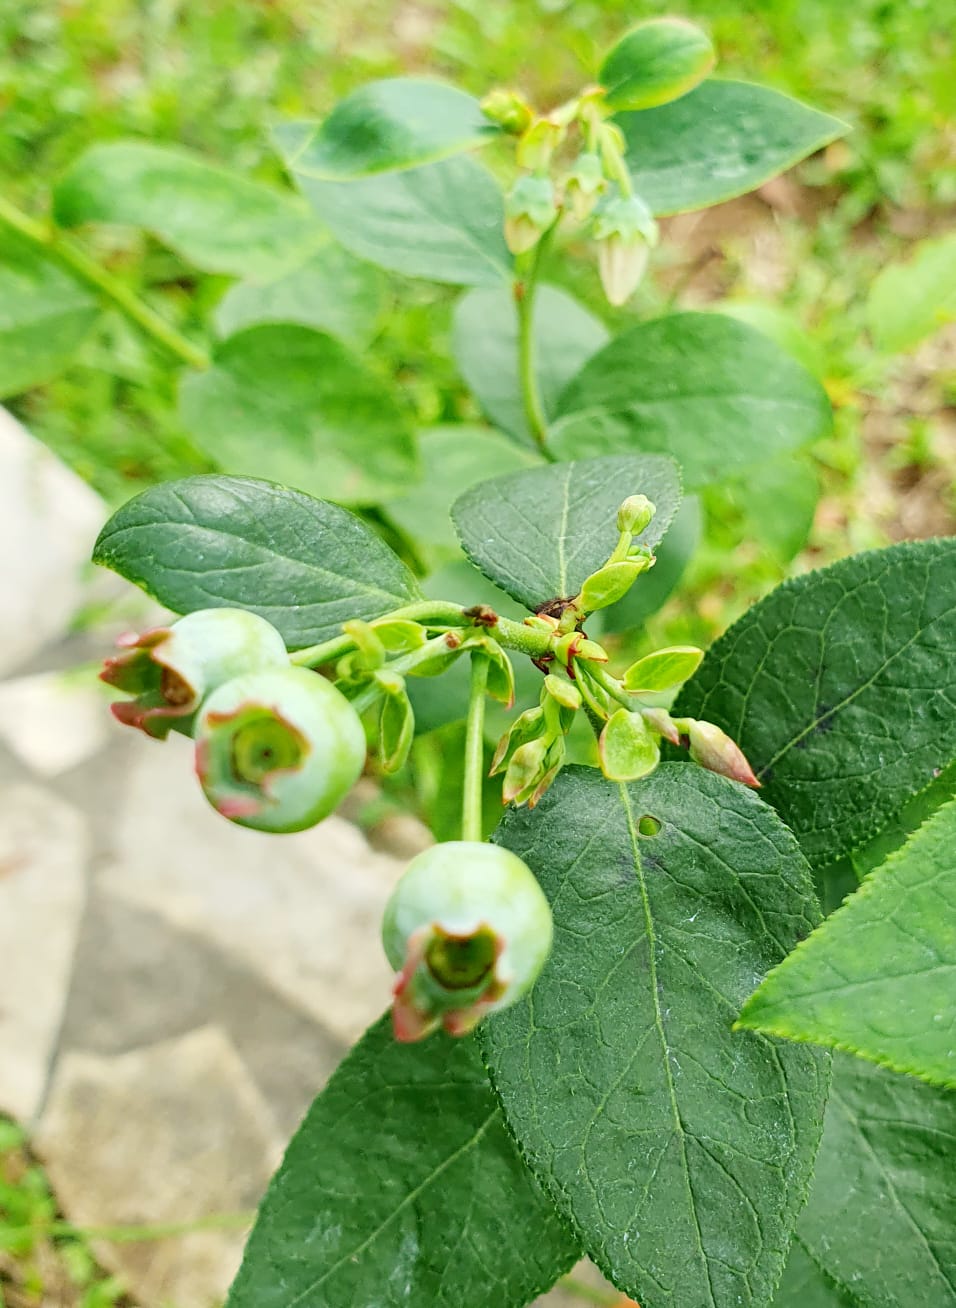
(301, 911)
(173, 1134)
(49, 520)
(43, 850)
(138, 979)
(54, 720)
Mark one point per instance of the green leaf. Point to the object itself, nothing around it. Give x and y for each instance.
(213, 542)
(539, 534)
(453, 459)
(45, 315)
(332, 291)
(298, 403)
(396, 728)
(443, 222)
(879, 1219)
(877, 978)
(401, 1188)
(721, 140)
(485, 346)
(840, 688)
(627, 748)
(774, 504)
(708, 390)
(656, 62)
(804, 1285)
(220, 221)
(383, 127)
(664, 669)
(680, 1149)
(912, 300)
(866, 858)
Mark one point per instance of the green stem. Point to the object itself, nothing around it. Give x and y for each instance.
(611, 685)
(58, 246)
(596, 710)
(432, 614)
(524, 291)
(474, 750)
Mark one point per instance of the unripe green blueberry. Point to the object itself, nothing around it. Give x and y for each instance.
(170, 670)
(278, 750)
(467, 929)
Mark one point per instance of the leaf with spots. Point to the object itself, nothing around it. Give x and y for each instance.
(680, 1149)
(840, 687)
(879, 1219)
(402, 1187)
(539, 534)
(214, 542)
(877, 978)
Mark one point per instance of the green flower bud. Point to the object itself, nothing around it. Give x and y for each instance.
(584, 184)
(529, 211)
(467, 930)
(635, 514)
(170, 670)
(278, 750)
(713, 749)
(624, 229)
(508, 109)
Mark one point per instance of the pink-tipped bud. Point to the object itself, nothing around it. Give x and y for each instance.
(713, 749)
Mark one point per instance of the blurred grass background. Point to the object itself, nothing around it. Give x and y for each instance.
(798, 259)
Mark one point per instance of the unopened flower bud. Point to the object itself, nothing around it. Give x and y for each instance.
(661, 722)
(713, 749)
(529, 211)
(278, 750)
(635, 514)
(508, 109)
(624, 230)
(170, 670)
(584, 184)
(467, 929)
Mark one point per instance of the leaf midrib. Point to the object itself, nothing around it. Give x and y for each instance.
(408, 1199)
(887, 1177)
(659, 1024)
(267, 551)
(848, 699)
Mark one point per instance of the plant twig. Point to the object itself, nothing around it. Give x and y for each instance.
(66, 252)
(524, 291)
(474, 749)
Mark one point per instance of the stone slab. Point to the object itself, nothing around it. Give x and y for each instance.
(43, 850)
(175, 1133)
(301, 911)
(49, 520)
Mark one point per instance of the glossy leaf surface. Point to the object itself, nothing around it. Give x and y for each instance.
(680, 1149)
(840, 687)
(213, 542)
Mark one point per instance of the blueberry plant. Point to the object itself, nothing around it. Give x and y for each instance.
(611, 1026)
